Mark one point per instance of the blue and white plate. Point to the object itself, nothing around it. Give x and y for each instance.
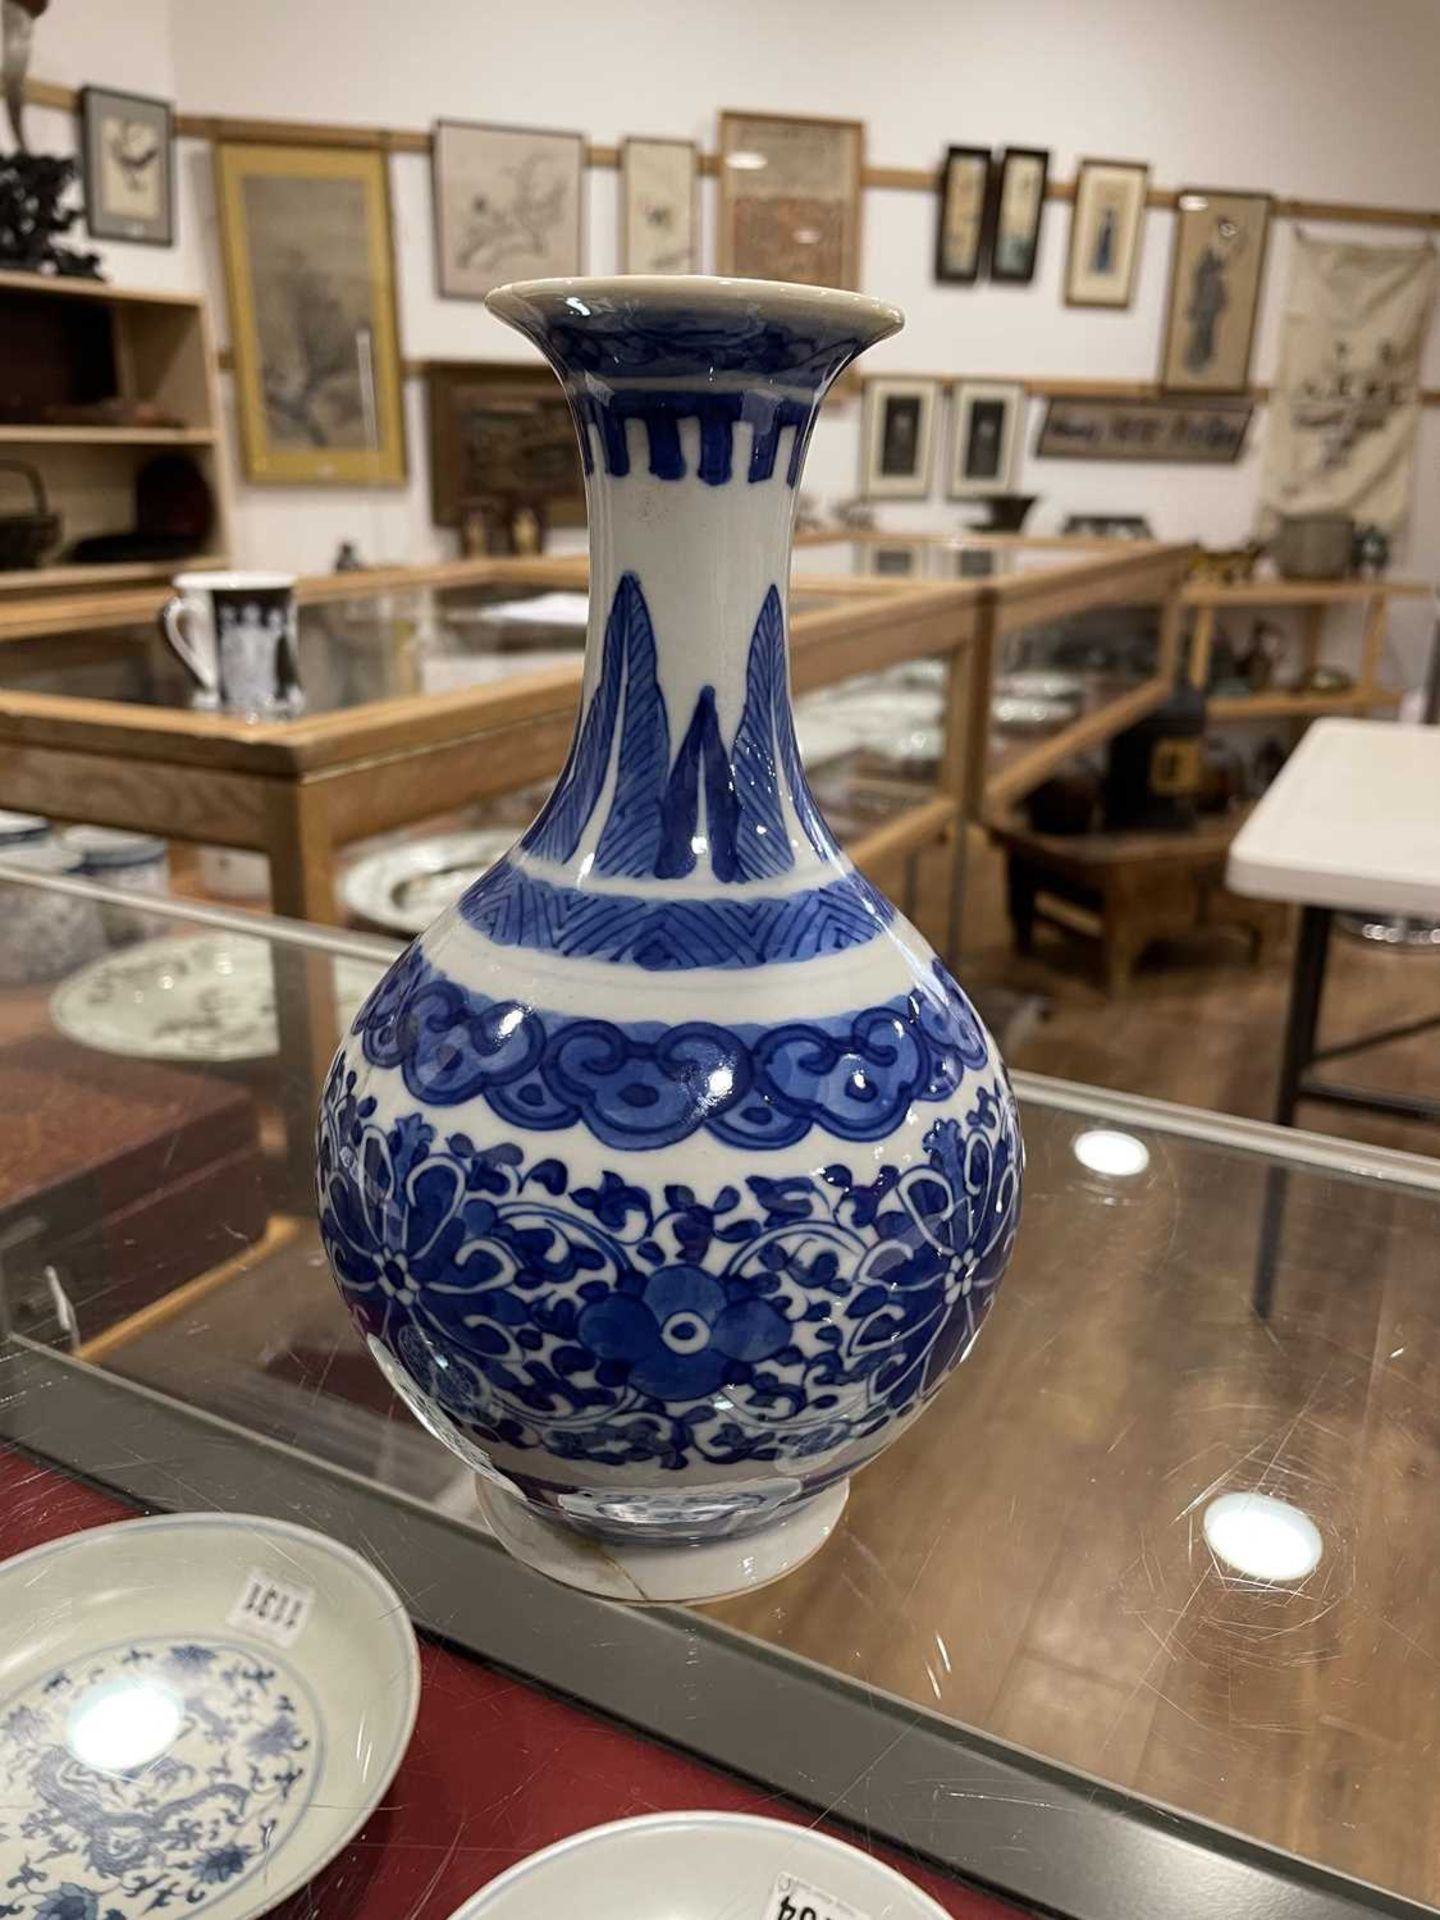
(197, 1712)
(194, 996)
(404, 888)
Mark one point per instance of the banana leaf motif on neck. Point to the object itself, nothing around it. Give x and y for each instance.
(713, 802)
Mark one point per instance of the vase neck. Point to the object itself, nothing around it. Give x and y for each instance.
(697, 510)
(694, 411)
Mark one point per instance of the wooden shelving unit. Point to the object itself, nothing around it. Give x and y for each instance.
(71, 342)
(11, 436)
(1206, 600)
(1300, 706)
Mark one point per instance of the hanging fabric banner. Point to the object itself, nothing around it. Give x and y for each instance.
(1345, 408)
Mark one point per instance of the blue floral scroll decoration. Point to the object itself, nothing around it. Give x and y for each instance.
(608, 1322)
(644, 1085)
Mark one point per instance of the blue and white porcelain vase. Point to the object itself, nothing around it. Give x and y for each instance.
(670, 1173)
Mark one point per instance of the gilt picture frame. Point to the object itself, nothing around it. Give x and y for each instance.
(790, 198)
(1020, 182)
(1107, 230)
(962, 231)
(897, 438)
(309, 265)
(1217, 275)
(127, 144)
(509, 204)
(659, 206)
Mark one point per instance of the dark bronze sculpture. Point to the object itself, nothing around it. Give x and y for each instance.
(33, 186)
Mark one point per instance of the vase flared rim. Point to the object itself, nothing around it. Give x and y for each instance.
(702, 293)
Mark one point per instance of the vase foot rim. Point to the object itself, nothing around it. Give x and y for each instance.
(645, 1573)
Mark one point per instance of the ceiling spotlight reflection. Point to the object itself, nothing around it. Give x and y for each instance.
(1103, 1150)
(1265, 1538)
(123, 1725)
(745, 160)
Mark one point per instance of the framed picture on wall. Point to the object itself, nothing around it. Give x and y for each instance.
(1216, 273)
(989, 416)
(659, 206)
(128, 146)
(1202, 432)
(1019, 204)
(962, 231)
(508, 206)
(308, 258)
(897, 438)
(1106, 228)
(501, 435)
(790, 198)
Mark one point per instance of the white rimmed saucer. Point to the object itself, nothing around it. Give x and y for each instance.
(404, 888)
(200, 996)
(697, 1866)
(197, 1712)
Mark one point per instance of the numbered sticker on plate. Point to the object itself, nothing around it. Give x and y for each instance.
(792, 1899)
(272, 1608)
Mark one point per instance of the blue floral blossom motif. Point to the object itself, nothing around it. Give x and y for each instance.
(23, 1725)
(191, 1659)
(275, 1740)
(220, 1864)
(683, 1337)
(68, 1902)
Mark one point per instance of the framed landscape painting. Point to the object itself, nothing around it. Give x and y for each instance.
(306, 233)
(898, 437)
(1216, 275)
(1106, 229)
(790, 199)
(508, 206)
(659, 207)
(128, 143)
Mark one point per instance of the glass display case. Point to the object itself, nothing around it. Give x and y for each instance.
(439, 697)
(1134, 1620)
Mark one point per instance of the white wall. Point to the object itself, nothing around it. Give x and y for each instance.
(1321, 98)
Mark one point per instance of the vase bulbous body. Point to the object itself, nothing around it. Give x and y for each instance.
(669, 1173)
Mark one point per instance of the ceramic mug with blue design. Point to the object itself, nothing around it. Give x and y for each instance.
(670, 1173)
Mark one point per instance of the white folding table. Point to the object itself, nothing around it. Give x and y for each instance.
(1352, 822)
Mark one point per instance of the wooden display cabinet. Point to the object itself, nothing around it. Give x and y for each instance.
(73, 344)
(1313, 600)
(385, 746)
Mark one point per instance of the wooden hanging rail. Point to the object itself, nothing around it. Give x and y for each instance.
(1057, 387)
(316, 133)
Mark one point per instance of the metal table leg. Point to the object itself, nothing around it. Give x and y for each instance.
(1307, 981)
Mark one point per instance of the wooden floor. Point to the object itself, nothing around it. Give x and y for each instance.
(1200, 1024)
(1028, 1559)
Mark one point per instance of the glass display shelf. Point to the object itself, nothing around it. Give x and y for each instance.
(428, 689)
(354, 651)
(1134, 1620)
